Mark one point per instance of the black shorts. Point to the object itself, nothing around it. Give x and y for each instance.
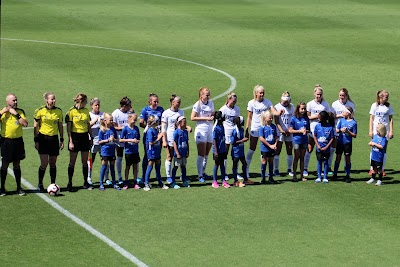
(269, 154)
(376, 164)
(323, 156)
(108, 158)
(132, 159)
(48, 145)
(12, 149)
(81, 142)
(221, 156)
(347, 149)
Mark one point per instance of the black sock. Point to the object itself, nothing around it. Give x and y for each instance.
(380, 176)
(3, 174)
(53, 174)
(70, 173)
(85, 170)
(17, 174)
(41, 173)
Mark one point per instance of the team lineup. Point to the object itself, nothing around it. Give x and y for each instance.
(300, 127)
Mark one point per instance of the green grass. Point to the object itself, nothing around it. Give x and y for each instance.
(284, 45)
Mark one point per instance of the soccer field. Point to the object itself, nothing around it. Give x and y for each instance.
(127, 47)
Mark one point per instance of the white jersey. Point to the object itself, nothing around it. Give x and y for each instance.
(381, 114)
(96, 126)
(284, 118)
(314, 108)
(120, 118)
(229, 114)
(203, 110)
(169, 117)
(338, 107)
(257, 108)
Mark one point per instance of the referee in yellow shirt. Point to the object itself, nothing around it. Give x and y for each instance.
(12, 145)
(47, 126)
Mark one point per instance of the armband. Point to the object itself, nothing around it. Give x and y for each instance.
(18, 116)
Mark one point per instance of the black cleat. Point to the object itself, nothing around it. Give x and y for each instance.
(41, 188)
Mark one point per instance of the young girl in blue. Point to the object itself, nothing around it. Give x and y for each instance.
(268, 137)
(237, 140)
(108, 139)
(299, 127)
(219, 149)
(347, 130)
(130, 135)
(324, 134)
(153, 146)
(378, 144)
(181, 151)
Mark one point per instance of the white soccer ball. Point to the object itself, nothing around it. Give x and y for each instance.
(53, 190)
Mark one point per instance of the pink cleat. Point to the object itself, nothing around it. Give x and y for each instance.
(215, 184)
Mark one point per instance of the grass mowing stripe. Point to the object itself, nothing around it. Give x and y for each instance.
(231, 78)
(84, 225)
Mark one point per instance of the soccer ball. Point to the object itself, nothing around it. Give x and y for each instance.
(53, 190)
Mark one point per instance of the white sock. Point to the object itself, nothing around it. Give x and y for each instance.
(205, 163)
(307, 160)
(370, 153)
(289, 160)
(226, 173)
(276, 163)
(249, 157)
(118, 163)
(331, 156)
(199, 164)
(168, 168)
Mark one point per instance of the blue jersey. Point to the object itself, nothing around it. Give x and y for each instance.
(129, 133)
(237, 149)
(153, 151)
(108, 149)
(345, 138)
(147, 112)
(298, 124)
(219, 137)
(181, 138)
(324, 134)
(270, 133)
(376, 153)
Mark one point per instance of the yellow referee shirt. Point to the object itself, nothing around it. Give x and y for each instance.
(79, 118)
(10, 127)
(48, 119)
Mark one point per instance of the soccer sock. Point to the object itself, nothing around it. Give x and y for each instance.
(168, 168)
(70, 173)
(249, 157)
(17, 174)
(41, 173)
(147, 175)
(89, 175)
(276, 162)
(319, 169)
(263, 169)
(348, 169)
(3, 174)
(183, 170)
(215, 169)
(374, 175)
(102, 172)
(118, 163)
(53, 174)
(200, 165)
(307, 157)
(244, 170)
(85, 172)
(271, 171)
(289, 160)
(205, 163)
(144, 165)
(225, 163)
(234, 171)
(331, 155)
(107, 173)
(326, 168)
(158, 174)
(380, 176)
(223, 173)
(112, 171)
(336, 168)
(173, 173)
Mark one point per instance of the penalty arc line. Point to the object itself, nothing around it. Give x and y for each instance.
(84, 225)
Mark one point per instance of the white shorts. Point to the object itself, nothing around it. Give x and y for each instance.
(202, 136)
(254, 133)
(228, 134)
(285, 138)
(95, 149)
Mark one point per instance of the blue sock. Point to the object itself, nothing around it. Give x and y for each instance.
(348, 169)
(183, 170)
(263, 169)
(319, 169)
(147, 175)
(144, 166)
(158, 174)
(326, 169)
(223, 172)
(112, 170)
(215, 169)
(336, 168)
(102, 172)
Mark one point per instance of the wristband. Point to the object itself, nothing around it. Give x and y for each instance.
(62, 139)
(18, 116)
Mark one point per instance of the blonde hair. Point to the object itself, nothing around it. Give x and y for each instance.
(319, 87)
(151, 120)
(230, 95)
(46, 95)
(103, 126)
(256, 89)
(379, 95)
(203, 89)
(94, 100)
(264, 115)
(381, 129)
(79, 99)
(286, 94)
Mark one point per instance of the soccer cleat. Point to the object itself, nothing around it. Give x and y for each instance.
(108, 182)
(125, 187)
(215, 184)
(225, 184)
(318, 180)
(21, 192)
(239, 184)
(101, 188)
(305, 173)
(334, 177)
(294, 180)
(169, 180)
(89, 180)
(378, 183)
(277, 173)
(325, 181)
(41, 188)
(239, 177)
(117, 187)
(330, 172)
(347, 179)
(136, 186)
(69, 187)
(175, 186)
(146, 188)
(263, 181)
(248, 181)
(272, 181)
(370, 181)
(186, 184)
(226, 178)
(120, 181)
(2, 193)
(201, 180)
(304, 179)
(290, 173)
(90, 187)
(139, 180)
(165, 187)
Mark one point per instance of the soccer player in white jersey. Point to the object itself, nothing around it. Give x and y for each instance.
(286, 108)
(120, 118)
(337, 108)
(381, 112)
(168, 119)
(203, 115)
(254, 109)
(314, 107)
(229, 112)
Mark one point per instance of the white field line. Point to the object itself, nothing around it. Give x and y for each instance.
(84, 225)
(231, 78)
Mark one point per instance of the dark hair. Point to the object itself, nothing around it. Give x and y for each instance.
(327, 118)
(125, 101)
(218, 115)
(297, 110)
(172, 98)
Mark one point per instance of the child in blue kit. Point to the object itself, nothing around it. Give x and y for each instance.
(324, 135)
(108, 139)
(378, 144)
(237, 140)
(268, 137)
(181, 151)
(130, 135)
(219, 149)
(347, 130)
(153, 146)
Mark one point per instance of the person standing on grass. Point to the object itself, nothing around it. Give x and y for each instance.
(12, 120)
(324, 135)
(46, 128)
(237, 140)
(314, 107)
(381, 112)
(219, 150)
(181, 151)
(152, 109)
(378, 151)
(268, 136)
(254, 109)
(79, 131)
(108, 139)
(299, 127)
(131, 137)
(203, 115)
(286, 109)
(120, 116)
(347, 130)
